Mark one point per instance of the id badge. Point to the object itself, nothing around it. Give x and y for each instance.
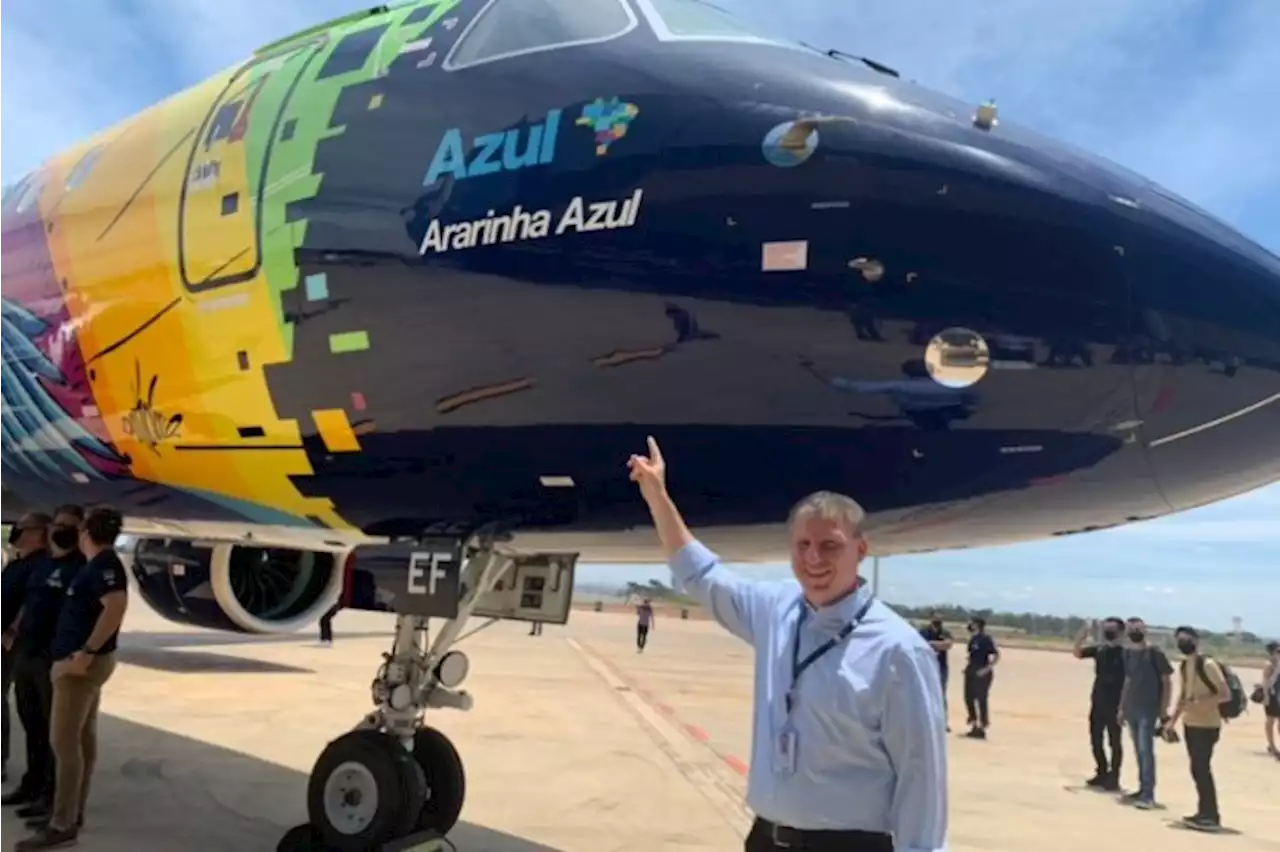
(785, 748)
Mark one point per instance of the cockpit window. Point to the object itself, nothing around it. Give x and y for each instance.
(676, 20)
(506, 28)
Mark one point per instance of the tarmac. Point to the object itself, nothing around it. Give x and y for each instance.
(578, 743)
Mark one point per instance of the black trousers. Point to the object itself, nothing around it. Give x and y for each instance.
(761, 840)
(1104, 725)
(642, 635)
(8, 680)
(33, 695)
(326, 623)
(976, 691)
(1200, 743)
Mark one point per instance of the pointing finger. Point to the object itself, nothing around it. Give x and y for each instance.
(654, 453)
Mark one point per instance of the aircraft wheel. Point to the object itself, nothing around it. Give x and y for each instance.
(446, 781)
(365, 790)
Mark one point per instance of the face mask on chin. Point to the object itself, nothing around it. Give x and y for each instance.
(1137, 635)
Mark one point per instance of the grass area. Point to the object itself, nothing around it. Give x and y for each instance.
(1006, 637)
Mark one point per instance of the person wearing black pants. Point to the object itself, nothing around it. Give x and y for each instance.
(1203, 688)
(326, 624)
(644, 621)
(940, 640)
(29, 538)
(979, 672)
(1104, 709)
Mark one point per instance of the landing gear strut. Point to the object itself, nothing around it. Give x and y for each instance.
(395, 783)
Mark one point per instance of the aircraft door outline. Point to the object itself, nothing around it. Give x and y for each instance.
(223, 131)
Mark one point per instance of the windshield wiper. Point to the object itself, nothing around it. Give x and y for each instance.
(870, 63)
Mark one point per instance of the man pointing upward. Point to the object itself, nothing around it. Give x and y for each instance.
(848, 746)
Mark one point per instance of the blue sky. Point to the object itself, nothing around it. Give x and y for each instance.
(1183, 91)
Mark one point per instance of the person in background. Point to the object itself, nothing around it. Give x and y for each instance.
(1144, 702)
(29, 539)
(940, 640)
(848, 747)
(83, 653)
(326, 624)
(1268, 691)
(644, 622)
(1104, 703)
(1202, 687)
(979, 672)
(535, 629)
(33, 690)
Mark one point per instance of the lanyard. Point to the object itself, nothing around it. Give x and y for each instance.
(798, 666)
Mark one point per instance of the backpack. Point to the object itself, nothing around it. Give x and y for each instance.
(1238, 700)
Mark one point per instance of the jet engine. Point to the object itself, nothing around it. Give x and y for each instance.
(234, 587)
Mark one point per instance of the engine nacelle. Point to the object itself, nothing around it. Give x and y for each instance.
(234, 586)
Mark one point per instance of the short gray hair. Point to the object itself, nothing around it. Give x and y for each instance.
(830, 506)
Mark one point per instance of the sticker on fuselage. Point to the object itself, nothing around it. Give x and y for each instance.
(784, 256)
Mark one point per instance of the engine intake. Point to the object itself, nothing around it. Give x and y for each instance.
(234, 587)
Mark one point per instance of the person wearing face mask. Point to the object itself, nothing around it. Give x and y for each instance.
(83, 654)
(29, 540)
(940, 640)
(1269, 696)
(829, 658)
(1104, 705)
(979, 672)
(1144, 702)
(33, 689)
(1202, 687)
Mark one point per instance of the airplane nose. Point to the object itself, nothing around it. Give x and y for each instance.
(1202, 331)
(1204, 345)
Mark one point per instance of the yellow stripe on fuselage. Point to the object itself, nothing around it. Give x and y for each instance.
(114, 241)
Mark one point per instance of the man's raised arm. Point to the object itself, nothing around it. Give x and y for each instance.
(731, 599)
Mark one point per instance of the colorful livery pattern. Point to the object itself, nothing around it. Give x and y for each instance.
(150, 274)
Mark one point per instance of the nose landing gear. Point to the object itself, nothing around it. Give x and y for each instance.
(395, 784)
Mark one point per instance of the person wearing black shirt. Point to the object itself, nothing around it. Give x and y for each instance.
(33, 689)
(940, 640)
(979, 672)
(83, 654)
(28, 538)
(1104, 708)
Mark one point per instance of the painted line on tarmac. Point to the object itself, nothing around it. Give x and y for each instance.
(698, 733)
(676, 740)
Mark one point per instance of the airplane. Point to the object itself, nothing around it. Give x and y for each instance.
(378, 314)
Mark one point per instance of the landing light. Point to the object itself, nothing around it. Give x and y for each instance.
(452, 669)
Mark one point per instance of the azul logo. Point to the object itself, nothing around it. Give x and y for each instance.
(518, 225)
(609, 120)
(519, 148)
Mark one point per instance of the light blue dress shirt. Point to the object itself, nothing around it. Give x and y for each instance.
(869, 722)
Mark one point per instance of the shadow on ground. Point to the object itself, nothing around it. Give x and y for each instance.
(200, 662)
(156, 791)
(157, 639)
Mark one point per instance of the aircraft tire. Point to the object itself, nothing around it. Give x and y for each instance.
(446, 781)
(364, 790)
